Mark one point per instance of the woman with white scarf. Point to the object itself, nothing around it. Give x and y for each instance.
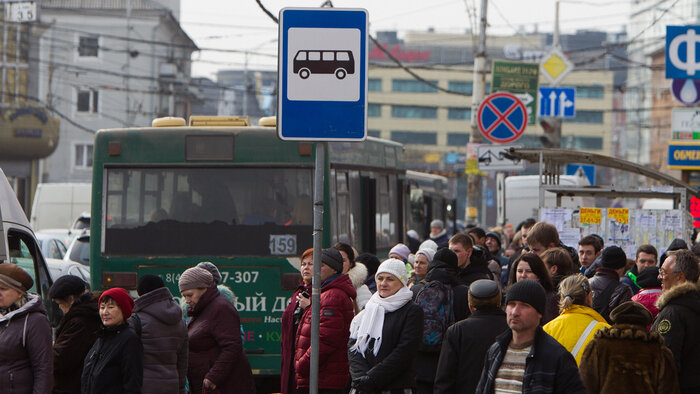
(384, 337)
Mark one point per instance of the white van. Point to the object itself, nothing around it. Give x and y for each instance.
(522, 196)
(57, 205)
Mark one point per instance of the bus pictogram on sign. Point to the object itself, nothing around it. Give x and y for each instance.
(502, 118)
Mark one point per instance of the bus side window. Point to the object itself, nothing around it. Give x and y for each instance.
(301, 55)
(328, 56)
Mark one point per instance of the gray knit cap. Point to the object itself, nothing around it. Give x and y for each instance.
(209, 266)
(195, 278)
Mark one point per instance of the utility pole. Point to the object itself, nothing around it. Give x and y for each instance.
(478, 93)
(128, 61)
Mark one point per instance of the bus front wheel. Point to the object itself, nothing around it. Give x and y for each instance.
(304, 73)
(340, 73)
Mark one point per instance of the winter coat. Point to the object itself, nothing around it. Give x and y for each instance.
(289, 333)
(157, 318)
(392, 367)
(648, 297)
(551, 309)
(114, 364)
(477, 269)
(464, 348)
(628, 359)
(358, 275)
(75, 335)
(215, 346)
(549, 367)
(336, 315)
(26, 364)
(442, 239)
(599, 283)
(568, 327)
(679, 323)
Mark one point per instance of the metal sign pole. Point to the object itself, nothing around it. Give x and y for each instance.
(316, 283)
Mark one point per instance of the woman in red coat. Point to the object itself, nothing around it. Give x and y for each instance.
(337, 313)
(217, 362)
(290, 322)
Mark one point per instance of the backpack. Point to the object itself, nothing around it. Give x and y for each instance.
(437, 300)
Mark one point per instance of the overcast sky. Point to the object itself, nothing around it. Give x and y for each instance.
(240, 25)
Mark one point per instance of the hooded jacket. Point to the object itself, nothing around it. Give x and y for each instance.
(604, 277)
(441, 239)
(625, 359)
(289, 333)
(158, 319)
(75, 335)
(216, 349)
(679, 324)
(114, 364)
(26, 364)
(336, 315)
(568, 327)
(478, 268)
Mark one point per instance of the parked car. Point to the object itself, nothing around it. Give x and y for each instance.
(52, 246)
(79, 250)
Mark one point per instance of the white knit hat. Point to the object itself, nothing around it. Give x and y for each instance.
(428, 244)
(395, 267)
(427, 252)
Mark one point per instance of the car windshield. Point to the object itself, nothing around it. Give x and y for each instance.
(80, 252)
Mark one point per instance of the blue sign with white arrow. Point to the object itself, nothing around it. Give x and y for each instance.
(557, 102)
(582, 169)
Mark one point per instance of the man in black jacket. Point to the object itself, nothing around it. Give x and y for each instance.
(466, 342)
(550, 367)
(470, 259)
(679, 315)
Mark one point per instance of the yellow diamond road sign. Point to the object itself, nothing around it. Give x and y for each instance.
(555, 66)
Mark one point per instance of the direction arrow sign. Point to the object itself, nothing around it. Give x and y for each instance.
(323, 74)
(502, 118)
(518, 78)
(498, 158)
(582, 169)
(557, 102)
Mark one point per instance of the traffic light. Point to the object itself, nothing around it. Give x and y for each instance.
(552, 132)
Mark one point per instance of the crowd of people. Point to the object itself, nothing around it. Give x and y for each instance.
(504, 310)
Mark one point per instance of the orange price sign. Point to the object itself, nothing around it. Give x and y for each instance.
(621, 215)
(590, 215)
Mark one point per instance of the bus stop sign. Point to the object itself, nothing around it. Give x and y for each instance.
(322, 67)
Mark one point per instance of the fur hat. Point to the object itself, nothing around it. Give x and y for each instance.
(332, 258)
(148, 283)
(631, 312)
(14, 277)
(529, 292)
(395, 267)
(195, 278)
(122, 298)
(67, 285)
(400, 250)
(215, 274)
(446, 256)
(613, 257)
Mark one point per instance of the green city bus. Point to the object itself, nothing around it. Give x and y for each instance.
(169, 196)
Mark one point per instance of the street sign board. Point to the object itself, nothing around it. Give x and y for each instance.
(685, 124)
(557, 102)
(682, 56)
(555, 66)
(24, 11)
(582, 169)
(684, 155)
(502, 118)
(498, 158)
(686, 91)
(518, 78)
(322, 67)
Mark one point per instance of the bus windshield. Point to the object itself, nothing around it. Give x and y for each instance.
(219, 211)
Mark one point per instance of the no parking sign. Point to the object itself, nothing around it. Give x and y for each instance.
(502, 118)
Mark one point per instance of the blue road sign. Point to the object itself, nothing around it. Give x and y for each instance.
(322, 67)
(578, 169)
(502, 118)
(682, 54)
(557, 102)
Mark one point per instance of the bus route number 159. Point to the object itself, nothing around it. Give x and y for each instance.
(283, 245)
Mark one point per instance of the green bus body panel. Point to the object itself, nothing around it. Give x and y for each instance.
(256, 281)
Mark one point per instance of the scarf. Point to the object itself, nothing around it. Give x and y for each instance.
(368, 324)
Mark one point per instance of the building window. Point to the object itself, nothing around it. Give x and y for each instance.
(412, 85)
(413, 111)
(88, 46)
(374, 133)
(458, 139)
(590, 91)
(583, 143)
(461, 86)
(584, 116)
(87, 100)
(374, 110)
(83, 155)
(415, 137)
(459, 113)
(374, 84)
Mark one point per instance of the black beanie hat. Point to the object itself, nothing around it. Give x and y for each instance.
(613, 257)
(446, 256)
(148, 283)
(495, 236)
(631, 312)
(332, 258)
(649, 277)
(67, 285)
(370, 261)
(530, 292)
